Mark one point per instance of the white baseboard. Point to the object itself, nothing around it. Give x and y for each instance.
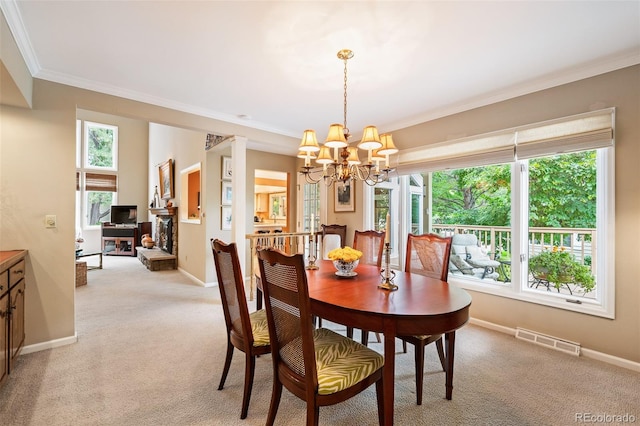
(193, 278)
(587, 353)
(37, 347)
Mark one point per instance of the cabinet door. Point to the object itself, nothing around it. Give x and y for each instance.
(16, 333)
(4, 341)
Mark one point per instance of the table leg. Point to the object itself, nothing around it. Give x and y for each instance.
(388, 374)
(258, 299)
(450, 342)
(100, 267)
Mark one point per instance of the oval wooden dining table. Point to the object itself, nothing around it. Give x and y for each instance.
(420, 305)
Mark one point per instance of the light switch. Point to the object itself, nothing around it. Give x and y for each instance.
(50, 221)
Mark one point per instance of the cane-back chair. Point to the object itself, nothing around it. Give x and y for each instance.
(246, 331)
(427, 254)
(319, 366)
(371, 244)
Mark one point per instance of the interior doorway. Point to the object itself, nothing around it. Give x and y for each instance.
(272, 201)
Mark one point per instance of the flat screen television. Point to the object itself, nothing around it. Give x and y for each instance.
(124, 215)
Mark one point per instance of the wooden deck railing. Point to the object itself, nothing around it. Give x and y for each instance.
(581, 242)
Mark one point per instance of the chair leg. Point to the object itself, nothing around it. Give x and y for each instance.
(380, 399)
(364, 338)
(227, 364)
(419, 353)
(276, 393)
(249, 370)
(440, 349)
(313, 413)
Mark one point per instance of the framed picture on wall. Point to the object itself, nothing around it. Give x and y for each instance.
(165, 171)
(226, 193)
(227, 172)
(345, 197)
(226, 218)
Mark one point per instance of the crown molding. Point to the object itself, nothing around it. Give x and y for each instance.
(16, 25)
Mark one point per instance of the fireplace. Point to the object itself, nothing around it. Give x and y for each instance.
(166, 230)
(165, 233)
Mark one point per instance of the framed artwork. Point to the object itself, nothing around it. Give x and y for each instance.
(226, 168)
(166, 179)
(226, 218)
(345, 197)
(226, 193)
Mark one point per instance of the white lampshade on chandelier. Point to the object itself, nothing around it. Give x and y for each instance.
(341, 162)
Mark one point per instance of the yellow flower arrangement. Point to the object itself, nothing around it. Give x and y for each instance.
(346, 254)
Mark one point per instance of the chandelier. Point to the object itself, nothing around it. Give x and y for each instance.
(343, 163)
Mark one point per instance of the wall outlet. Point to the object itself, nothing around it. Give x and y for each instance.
(50, 221)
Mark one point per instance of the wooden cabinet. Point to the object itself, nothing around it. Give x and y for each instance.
(118, 246)
(262, 202)
(122, 240)
(4, 329)
(12, 303)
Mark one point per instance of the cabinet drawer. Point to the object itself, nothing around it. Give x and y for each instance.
(4, 283)
(16, 273)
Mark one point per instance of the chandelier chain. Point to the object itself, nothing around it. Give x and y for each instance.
(346, 129)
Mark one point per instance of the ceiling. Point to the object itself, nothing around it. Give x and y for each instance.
(272, 65)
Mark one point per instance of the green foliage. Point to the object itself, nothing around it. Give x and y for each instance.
(473, 196)
(562, 191)
(100, 147)
(558, 267)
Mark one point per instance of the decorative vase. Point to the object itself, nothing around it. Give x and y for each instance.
(147, 241)
(346, 269)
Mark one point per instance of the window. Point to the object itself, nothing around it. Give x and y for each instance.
(310, 207)
(100, 146)
(96, 183)
(547, 187)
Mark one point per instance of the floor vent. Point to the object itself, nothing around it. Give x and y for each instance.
(548, 341)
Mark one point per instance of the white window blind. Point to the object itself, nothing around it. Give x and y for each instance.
(467, 152)
(585, 132)
(569, 134)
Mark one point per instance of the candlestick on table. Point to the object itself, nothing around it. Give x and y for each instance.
(387, 235)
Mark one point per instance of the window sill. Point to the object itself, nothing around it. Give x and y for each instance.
(555, 300)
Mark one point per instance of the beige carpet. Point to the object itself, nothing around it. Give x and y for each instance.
(151, 349)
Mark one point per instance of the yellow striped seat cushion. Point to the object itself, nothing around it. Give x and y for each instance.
(259, 328)
(342, 362)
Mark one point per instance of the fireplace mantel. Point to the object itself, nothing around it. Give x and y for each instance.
(167, 211)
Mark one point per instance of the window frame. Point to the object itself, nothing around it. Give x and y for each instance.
(604, 303)
(87, 125)
(82, 169)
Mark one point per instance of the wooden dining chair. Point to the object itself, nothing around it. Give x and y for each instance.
(340, 230)
(317, 365)
(247, 332)
(371, 244)
(427, 254)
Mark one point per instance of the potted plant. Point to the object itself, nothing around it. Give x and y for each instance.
(559, 267)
